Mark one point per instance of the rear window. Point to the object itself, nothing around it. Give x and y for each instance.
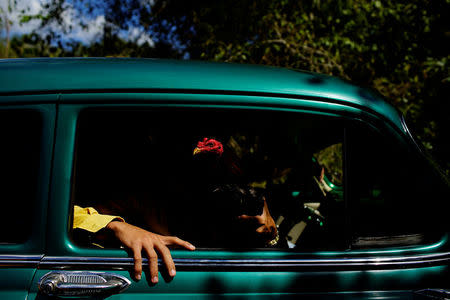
(20, 136)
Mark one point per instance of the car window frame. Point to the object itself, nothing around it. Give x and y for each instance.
(60, 209)
(33, 247)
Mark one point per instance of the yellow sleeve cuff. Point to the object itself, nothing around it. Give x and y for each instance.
(89, 219)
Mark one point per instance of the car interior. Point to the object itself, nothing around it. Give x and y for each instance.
(140, 165)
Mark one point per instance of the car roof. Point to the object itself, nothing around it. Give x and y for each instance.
(84, 75)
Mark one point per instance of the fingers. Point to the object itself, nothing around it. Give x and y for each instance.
(245, 217)
(152, 263)
(137, 262)
(263, 229)
(164, 252)
(174, 241)
(154, 245)
(258, 220)
(166, 258)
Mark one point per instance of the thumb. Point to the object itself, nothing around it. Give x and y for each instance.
(245, 217)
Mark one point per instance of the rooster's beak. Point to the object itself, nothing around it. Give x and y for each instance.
(197, 150)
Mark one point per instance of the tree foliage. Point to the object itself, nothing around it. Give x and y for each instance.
(397, 47)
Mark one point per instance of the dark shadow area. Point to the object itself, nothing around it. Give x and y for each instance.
(20, 147)
(140, 165)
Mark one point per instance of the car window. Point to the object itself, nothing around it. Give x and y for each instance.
(20, 136)
(394, 198)
(143, 167)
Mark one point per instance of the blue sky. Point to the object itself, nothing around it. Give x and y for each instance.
(92, 32)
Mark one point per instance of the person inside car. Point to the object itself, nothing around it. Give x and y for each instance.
(139, 240)
(226, 214)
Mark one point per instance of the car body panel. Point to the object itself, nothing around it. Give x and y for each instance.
(15, 283)
(323, 284)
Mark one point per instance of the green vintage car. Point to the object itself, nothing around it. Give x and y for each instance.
(359, 209)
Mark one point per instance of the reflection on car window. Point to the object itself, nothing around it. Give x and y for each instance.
(214, 177)
(391, 192)
(330, 162)
(20, 134)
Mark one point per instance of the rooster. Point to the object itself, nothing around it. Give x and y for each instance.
(211, 159)
(219, 180)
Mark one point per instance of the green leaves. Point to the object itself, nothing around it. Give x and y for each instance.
(394, 46)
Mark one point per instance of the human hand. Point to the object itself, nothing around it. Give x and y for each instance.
(138, 240)
(265, 225)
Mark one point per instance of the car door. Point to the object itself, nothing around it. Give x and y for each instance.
(26, 144)
(323, 259)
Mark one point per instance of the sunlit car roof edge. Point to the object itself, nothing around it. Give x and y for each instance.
(60, 75)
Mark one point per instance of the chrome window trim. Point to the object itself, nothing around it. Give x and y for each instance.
(118, 263)
(56, 262)
(17, 261)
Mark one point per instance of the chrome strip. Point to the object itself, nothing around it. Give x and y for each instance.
(29, 261)
(434, 293)
(54, 262)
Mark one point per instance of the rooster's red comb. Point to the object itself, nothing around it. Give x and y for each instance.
(209, 146)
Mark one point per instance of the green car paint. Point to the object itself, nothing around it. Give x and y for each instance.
(79, 75)
(18, 262)
(62, 88)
